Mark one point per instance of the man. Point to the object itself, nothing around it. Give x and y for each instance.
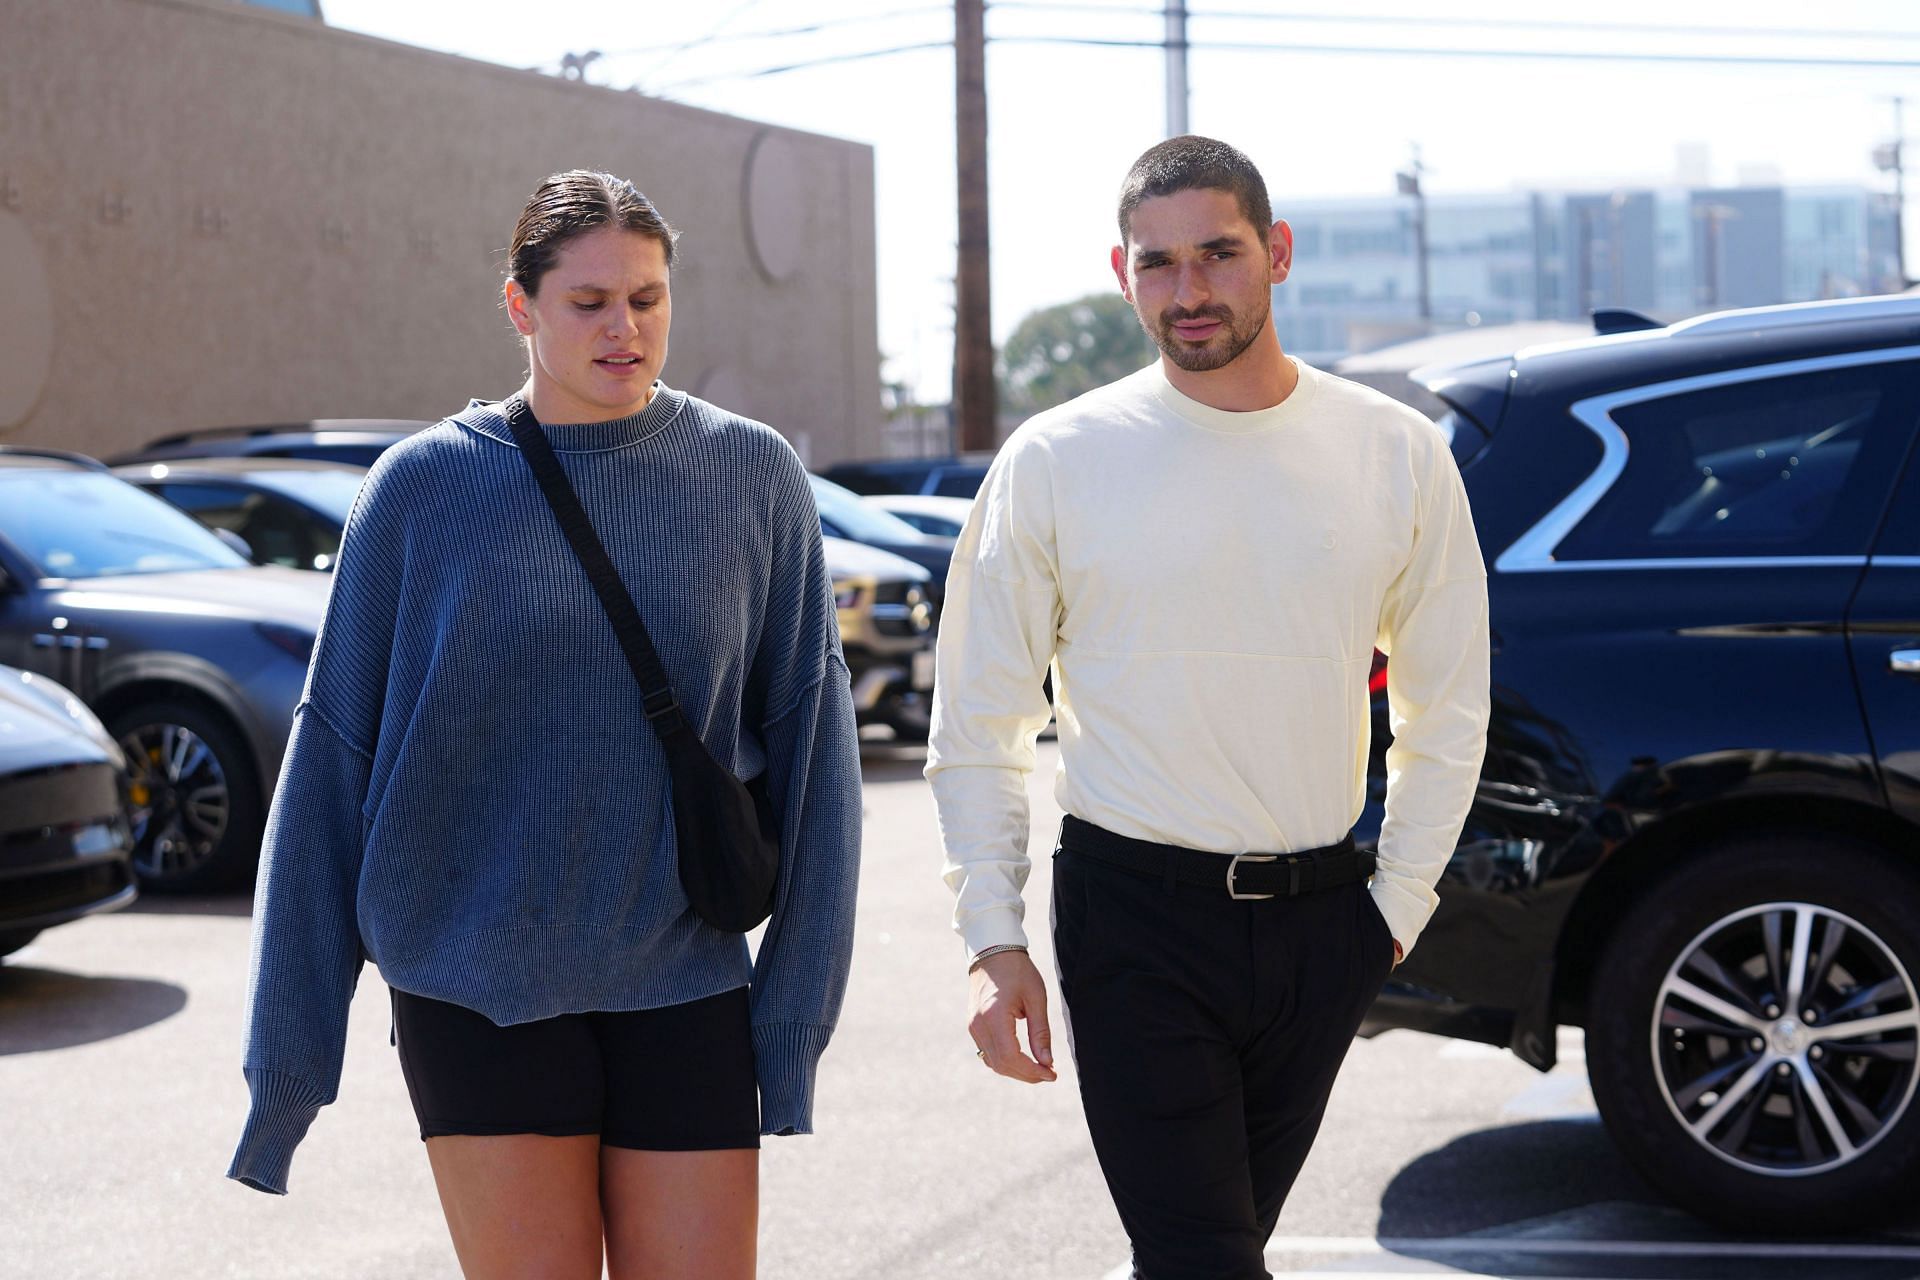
(1208, 553)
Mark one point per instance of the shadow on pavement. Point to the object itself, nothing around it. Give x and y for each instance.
(166, 904)
(1509, 1174)
(1553, 1183)
(51, 1009)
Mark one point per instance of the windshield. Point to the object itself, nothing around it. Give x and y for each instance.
(325, 490)
(855, 519)
(83, 524)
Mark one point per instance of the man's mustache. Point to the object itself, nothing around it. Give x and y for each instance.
(1175, 315)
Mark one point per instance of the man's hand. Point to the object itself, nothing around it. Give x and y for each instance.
(1004, 989)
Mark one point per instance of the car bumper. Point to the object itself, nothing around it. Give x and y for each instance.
(64, 850)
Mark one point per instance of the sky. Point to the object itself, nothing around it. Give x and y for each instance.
(1066, 120)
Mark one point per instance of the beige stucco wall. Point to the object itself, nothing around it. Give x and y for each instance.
(212, 214)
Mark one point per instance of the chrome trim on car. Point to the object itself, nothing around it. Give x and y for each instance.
(1532, 551)
(1897, 562)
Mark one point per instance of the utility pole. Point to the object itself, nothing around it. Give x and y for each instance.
(1891, 158)
(974, 408)
(1176, 68)
(1410, 186)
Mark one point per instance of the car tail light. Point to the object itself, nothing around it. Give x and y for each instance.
(1377, 678)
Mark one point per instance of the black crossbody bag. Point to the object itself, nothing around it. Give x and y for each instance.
(728, 835)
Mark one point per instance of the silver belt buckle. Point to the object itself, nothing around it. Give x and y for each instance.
(1233, 868)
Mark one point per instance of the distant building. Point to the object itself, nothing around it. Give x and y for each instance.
(1526, 256)
(215, 213)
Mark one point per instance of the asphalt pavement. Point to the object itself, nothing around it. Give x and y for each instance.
(121, 1097)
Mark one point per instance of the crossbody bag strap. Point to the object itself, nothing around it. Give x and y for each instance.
(662, 708)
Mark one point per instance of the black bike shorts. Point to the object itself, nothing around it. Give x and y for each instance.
(678, 1078)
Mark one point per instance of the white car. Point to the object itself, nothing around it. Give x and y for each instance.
(929, 513)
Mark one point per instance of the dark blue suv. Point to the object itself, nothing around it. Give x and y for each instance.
(1697, 832)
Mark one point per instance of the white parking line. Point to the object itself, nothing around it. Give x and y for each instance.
(1417, 1249)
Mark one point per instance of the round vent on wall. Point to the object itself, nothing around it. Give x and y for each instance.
(771, 191)
(26, 324)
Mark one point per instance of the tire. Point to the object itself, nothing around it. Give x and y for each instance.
(196, 811)
(13, 940)
(1666, 1067)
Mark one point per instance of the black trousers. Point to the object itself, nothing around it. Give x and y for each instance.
(1206, 1033)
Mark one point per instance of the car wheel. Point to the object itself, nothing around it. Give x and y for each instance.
(196, 806)
(1752, 1031)
(12, 940)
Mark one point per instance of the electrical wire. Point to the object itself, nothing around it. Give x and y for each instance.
(1554, 55)
(1410, 20)
(828, 60)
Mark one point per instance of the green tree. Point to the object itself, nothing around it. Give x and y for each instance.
(1063, 351)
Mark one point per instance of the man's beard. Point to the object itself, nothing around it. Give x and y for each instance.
(1222, 349)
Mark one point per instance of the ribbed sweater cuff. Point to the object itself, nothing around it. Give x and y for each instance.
(283, 1107)
(787, 1054)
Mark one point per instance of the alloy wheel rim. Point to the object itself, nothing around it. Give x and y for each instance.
(182, 801)
(1784, 1039)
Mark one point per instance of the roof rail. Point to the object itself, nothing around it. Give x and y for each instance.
(216, 433)
(78, 459)
(1831, 311)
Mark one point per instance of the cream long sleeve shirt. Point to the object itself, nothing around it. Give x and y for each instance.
(1209, 588)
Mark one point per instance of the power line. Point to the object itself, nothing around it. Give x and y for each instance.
(827, 60)
(1552, 55)
(712, 32)
(1410, 20)
(1244, 46)
(825, 24)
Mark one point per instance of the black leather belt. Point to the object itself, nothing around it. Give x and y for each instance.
(1244, 876)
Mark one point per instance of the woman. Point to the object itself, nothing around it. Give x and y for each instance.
(473, 798)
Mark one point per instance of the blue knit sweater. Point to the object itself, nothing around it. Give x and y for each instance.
(471, 797)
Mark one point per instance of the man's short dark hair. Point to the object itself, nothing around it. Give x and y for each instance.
(1190, 163)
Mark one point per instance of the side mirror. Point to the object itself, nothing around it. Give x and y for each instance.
(235, 541)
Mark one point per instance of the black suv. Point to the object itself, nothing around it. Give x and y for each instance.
(1697, 831)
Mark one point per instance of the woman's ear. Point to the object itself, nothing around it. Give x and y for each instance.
(517, 309)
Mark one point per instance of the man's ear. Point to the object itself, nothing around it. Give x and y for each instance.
(1119, 260)
(1280, 246)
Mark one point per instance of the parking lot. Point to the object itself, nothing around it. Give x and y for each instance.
(119, 1049)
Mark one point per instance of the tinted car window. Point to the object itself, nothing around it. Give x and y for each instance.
(331, 491)
(1778, 466)
(843, 515)
(90, 525)
(960, 482)
(278, 531)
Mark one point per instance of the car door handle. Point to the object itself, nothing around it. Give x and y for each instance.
(1904, 661)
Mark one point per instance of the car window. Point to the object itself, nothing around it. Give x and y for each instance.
(843, 509)
(278, 531)
(1900, 536)
(330, 490)
(960, 482)
(1792, 466)
(86, 524)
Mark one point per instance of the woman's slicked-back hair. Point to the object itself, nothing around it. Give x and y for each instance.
(1190, 163)
(570, 204)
